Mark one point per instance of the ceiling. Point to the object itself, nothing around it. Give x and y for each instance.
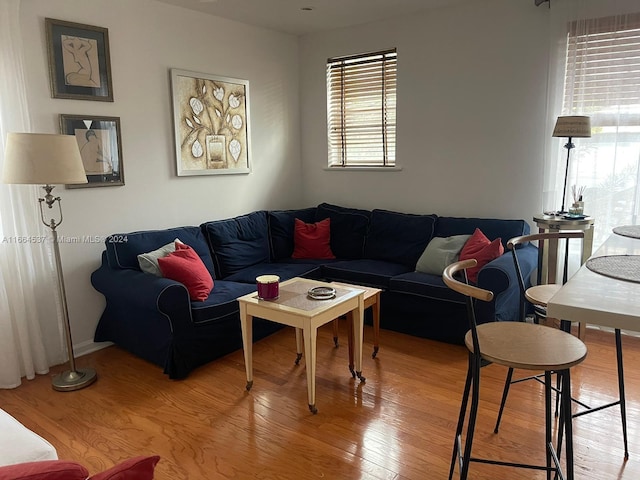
(289, 16)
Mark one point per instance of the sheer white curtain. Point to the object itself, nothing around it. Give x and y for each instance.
(595, 71)
(27, 285)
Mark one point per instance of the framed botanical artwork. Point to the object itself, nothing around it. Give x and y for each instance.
(100, 148)
(79, 62)
(211, 123)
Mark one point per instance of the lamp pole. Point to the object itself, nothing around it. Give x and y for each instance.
(569, 145)
(72, 379)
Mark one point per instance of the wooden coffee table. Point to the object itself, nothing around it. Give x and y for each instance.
(294, 308)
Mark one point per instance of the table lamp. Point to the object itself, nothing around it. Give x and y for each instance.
(571, 126)
(45, 159)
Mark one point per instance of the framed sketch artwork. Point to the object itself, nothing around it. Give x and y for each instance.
(211, 123)
(79, 62)
(100, 148)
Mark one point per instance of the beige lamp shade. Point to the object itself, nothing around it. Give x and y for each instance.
(42, 159)
(572, 126)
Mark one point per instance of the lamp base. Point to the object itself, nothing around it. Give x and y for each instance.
(68, 380)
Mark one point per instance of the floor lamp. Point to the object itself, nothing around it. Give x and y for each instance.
(44, 159)
(571, 126)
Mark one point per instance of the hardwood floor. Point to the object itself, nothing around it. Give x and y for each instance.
(398, 425)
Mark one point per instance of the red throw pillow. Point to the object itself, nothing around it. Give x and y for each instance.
(44, 470)
(483, 250)
(185, 266)
(137, 468)
(312, 240)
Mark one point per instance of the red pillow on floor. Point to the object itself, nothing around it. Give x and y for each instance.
(185, 266)
(137, 468)
(44, 470)
(483, 250)
(312, 240)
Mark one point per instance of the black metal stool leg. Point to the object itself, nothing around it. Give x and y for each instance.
(568, 422)
(505, 392)
(473, 413)
(463, 410)
(547, 420)
(623, 403)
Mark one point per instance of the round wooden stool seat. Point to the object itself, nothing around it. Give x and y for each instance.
(527, 346)
(541, 294)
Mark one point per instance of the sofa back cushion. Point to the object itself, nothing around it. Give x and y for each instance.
(349, 228)
(123, 248)
(238, 242)
(492, 227)
(281, 228)
(398, 237)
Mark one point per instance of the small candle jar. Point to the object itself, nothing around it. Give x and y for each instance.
(268, 287)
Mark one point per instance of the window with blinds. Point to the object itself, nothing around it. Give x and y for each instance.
(602, 80)
(603, 65)
(361, 110)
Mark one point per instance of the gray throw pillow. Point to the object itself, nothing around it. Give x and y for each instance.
(149, 261)
(441, 252)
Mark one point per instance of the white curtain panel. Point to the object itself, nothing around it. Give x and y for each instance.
(595, 71)
(28, 295)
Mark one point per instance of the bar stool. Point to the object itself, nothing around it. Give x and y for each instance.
(514, 345)
(539, 296)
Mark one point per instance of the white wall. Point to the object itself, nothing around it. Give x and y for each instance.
(147, 39)
(471, 111)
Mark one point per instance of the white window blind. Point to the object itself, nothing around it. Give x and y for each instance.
(603, 63)
(602, 80)
(361, 110)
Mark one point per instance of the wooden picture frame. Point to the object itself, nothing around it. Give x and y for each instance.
(100, 148)
(211, 124)
(79, 61)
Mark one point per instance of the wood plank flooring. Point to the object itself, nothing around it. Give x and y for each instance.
(399, 425)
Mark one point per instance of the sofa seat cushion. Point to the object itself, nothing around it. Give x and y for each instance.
(284, 270)
(349, 227)
(398, 237)
(424, 285)
(281, 228)
(123, 248)
(238, 242)
(374, 273)
(221, 301)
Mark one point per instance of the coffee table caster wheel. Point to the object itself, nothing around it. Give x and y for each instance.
(249, 385)
(313, 409)
(359, 375)
(375, 352)
(298, 357)
(335, 341)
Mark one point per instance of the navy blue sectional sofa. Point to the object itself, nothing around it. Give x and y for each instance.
(154, 318)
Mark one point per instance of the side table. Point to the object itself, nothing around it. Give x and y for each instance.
(548, 256)
(371, 299)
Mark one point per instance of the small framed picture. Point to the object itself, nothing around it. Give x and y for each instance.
(79, 62)
(211, 123)
(100, 148)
